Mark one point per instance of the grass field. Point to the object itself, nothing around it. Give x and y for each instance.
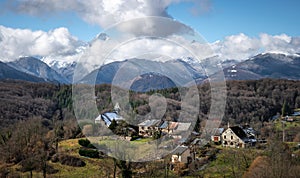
(230, 163)
(296, 123)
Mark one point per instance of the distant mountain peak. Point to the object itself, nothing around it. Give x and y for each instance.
(266, 65)
(102, 36)
(8, 72)
(38, 68)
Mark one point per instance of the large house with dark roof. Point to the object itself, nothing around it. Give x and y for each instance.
(234, 137)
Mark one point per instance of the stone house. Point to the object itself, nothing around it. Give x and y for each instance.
(234, 137)
(181, 154)
(148, 127)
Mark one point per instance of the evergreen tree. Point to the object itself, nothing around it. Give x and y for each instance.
(285, 109)
(113, 125)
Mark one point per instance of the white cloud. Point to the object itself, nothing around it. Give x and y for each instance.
(60, 45)
(101, 12)
(106, 13)
(237, 47)
(280, 43)
(24, 42)
(242, 47)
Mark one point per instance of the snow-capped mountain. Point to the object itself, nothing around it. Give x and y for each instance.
(209, 65)
(38, 68)
(65, 69)
(153, 74)
(267, 65)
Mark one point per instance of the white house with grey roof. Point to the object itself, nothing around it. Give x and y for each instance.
(181, 154)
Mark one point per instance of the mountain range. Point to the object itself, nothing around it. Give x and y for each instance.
(269, 65)
(7, 72)
(145, 75)
(36, 67)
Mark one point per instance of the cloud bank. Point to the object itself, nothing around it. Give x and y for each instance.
(103, 12)
(106, 13)
(24, 42)
(241, 46)
(59, 43)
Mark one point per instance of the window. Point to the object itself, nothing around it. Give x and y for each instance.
(231, 137)
(224, 136)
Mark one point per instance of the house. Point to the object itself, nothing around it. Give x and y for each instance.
(176, 129)
(181, 154)
(168, 127)
(148, 127)
(217, 135)
(234, 137)
(251, 133)
(108, 117)
(181, 130)
(289, 119)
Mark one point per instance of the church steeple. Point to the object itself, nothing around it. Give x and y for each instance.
(117, 108)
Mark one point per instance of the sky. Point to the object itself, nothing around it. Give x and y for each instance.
(234, 28)
(251, 17)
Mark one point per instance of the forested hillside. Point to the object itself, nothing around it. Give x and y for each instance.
(35, 117)
(247, 101)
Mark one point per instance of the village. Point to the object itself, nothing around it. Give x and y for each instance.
(186, 153)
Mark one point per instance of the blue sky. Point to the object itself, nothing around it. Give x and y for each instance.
(235, 29)
(252, 17)
(226, 17)
(77, 27)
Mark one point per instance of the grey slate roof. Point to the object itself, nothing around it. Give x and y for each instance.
(149, 123)
(164, 125)
(218, 131)
(183, 126)
(179, 150)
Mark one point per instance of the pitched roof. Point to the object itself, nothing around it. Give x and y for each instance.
(164, 125)
(239, 131)
(149, 123)
(179, 150)
(113, 116)
(108, 117)
(218, 131)
(183, 126)
(173, 125)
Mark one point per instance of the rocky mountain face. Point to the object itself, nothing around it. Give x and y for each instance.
(7, 72)
(279, 66)
(145, 75)
(36, 67)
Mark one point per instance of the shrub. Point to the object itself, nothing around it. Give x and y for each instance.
(89, 153)
(71, 161)
(84, 142)
(91, 146)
